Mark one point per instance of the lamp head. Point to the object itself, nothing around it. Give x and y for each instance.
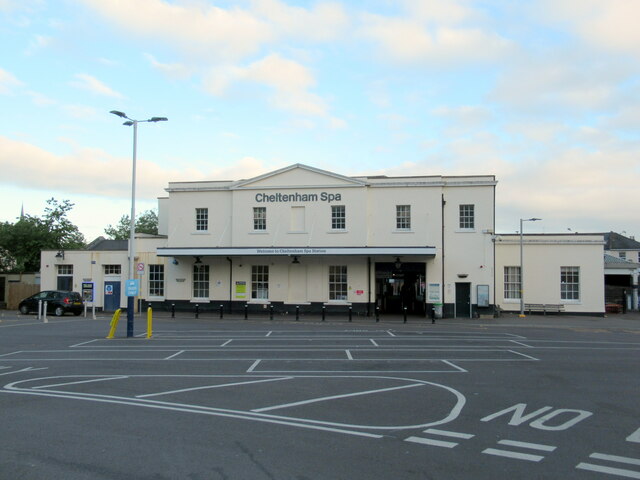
(128, 123)
(120, 114)
(158, 119)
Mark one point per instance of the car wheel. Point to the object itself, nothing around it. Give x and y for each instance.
(59, 311)
(24, 309)
(77, 313)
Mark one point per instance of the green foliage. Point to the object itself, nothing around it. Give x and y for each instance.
(147, 222)
(21, 242)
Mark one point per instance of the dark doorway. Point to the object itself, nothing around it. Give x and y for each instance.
(65, 283)
(400, 286)
(111, 296)
(463, 300)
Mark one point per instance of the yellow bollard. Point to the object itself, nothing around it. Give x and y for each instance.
(114, 323)
(149, 322)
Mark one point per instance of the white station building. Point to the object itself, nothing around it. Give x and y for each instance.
(308, 239)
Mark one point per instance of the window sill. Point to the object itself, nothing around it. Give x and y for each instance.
(258, 232)
(297, 303)
(255, 301)
(201, 232)
(338, 231)
(337, 302)
(465, 230)
(200, 300)
(403, 231)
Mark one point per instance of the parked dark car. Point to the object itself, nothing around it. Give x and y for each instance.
(58, 302)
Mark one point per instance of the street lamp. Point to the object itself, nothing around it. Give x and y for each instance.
(132, 225)
(522, 220)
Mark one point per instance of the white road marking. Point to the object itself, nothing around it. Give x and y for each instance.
(84, 343)
(252, 367)
(28, 369)
(526, 356)
(174, 355)
(268, 334)
(515, 455)
(11, 353)
(349, 355)
(520, 343)
(447, 433)
(634, 437)
(615, 458)
(208, 387)
(374, 342)
(429, 441)
(226, 343)
(335, 397)
(460, 369)
(621, 472)
(104, 379)
(532, 446)
(390, 333)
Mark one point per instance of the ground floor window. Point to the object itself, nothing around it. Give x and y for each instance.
(65, 277)
(338, 282)
(201, 281)
(156, 280)
(512, 283)
(260, 282)
(570, 283)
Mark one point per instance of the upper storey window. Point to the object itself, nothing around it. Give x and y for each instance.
(338, 217)
(202, 219)
(467, 217)
(259, 218)
(403, 217)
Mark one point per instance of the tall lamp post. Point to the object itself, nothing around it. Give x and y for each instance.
(132, 286)
(522, 220)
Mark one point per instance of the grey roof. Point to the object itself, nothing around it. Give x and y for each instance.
(615, 241)
(611, 261)
(103, 244)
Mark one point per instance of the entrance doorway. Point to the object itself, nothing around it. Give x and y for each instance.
(111, 296)
(400, 286)
(463, 300)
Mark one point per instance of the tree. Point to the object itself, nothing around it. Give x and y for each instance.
(147, 222)
(21, 242)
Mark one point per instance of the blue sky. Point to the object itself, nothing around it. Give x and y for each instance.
(541, 93)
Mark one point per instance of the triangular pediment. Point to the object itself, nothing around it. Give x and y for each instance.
(297, 175)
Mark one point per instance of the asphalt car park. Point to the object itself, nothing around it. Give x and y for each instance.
(206, 398)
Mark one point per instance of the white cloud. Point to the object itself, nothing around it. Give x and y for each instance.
(197, 27)
(176, 71)
(8, 82)
(92, 84)
(289, 81)
(325, 22)
(608, 24)
(559, 81)
(429, 33)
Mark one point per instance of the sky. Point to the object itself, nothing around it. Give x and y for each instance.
(543, 94)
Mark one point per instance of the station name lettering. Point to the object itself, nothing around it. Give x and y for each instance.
(298, 197)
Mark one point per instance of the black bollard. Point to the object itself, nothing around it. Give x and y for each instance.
(197, 310)
(173, 310)
(246, 311)
(433, 314)
(297, 313)
(221, 311)
(405, 314)
(324, 312)
(270, 312)
(350, 313)
(377, 314)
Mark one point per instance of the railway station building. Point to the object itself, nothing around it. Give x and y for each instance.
(309, 240)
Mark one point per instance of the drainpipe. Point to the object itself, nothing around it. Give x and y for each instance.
(230, 282)
(443, 258)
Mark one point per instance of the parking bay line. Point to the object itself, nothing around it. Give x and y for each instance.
(334, 397)
(208, 387)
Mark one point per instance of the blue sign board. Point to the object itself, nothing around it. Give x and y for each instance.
(132, 287)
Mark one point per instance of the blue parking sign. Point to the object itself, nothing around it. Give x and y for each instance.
(132, 287)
